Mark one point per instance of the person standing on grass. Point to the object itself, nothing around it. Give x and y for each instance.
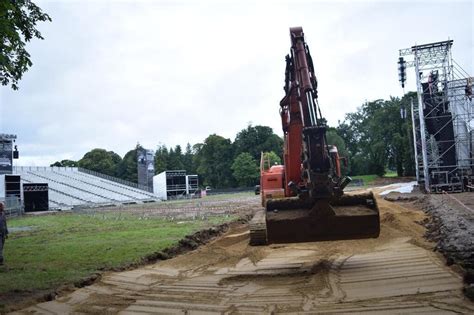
(3, 230)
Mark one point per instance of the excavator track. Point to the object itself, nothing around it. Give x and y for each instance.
(258, 228)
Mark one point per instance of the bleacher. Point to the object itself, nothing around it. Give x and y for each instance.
(70, 187)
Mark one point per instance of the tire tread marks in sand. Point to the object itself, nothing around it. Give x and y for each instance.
(191, 242)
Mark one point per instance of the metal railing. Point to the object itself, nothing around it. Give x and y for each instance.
(21, 169)
(13, 206)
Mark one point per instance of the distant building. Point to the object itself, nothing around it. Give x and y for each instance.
(175, 184)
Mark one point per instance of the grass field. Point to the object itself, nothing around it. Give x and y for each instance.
(367, 179)
(391, 174)
(46, 251)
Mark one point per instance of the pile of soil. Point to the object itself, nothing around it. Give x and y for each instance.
(191, 242)
(450, 225)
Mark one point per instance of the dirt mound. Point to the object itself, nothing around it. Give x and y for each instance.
(451, 226)
(399, 197)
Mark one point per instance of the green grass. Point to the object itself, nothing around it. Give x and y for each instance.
(391, 174)
(63, 248)
(216, 197)
(367, 179)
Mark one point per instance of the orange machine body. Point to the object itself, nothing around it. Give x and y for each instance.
(273, 178)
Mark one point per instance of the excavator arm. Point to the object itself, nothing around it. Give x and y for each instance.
(304, 199)
(319, 177)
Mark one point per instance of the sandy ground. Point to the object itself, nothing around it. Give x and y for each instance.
(396, 273)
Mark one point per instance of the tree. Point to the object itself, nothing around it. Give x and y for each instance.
(364, 132)
(66, 163)
(18, 21)
(175, 158)
(334, 139)
(197, 160)
(102, 161)
(128, 168)
(272, 157)
(215, 160)
(161, 159)
(187, 160)
(255, 140)
(245, 169)
(405, 140)
(378, 138)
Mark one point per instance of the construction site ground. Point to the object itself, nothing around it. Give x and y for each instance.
(399, 272)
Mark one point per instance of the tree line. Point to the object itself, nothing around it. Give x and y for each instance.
(375, 138)
(218, 161)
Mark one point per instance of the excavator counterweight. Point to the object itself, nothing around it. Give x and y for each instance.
(304, 199)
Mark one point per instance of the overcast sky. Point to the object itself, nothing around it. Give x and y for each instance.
(110, 74)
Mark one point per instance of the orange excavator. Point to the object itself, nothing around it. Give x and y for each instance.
(304, 199)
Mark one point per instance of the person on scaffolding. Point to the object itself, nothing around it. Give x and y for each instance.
(469, 88)
(3, 230)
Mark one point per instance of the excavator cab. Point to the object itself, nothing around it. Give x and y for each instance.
(304, 199)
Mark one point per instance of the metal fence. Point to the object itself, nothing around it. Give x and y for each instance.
(13, 206)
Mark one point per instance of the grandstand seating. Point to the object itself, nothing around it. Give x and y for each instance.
(69, 187)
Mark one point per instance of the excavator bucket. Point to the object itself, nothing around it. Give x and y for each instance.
(291, 220)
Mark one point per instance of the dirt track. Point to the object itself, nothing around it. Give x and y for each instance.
(396, 273)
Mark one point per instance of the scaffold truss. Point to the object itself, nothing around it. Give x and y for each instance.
(442, 118)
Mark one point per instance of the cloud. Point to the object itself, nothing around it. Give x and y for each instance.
(110, 74)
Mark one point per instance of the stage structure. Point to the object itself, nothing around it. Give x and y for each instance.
(442, 117)
(10, 186)
(145, 168)
(35, 197)
(175, 184)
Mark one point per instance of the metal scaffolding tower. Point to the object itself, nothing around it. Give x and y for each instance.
(442, 118)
